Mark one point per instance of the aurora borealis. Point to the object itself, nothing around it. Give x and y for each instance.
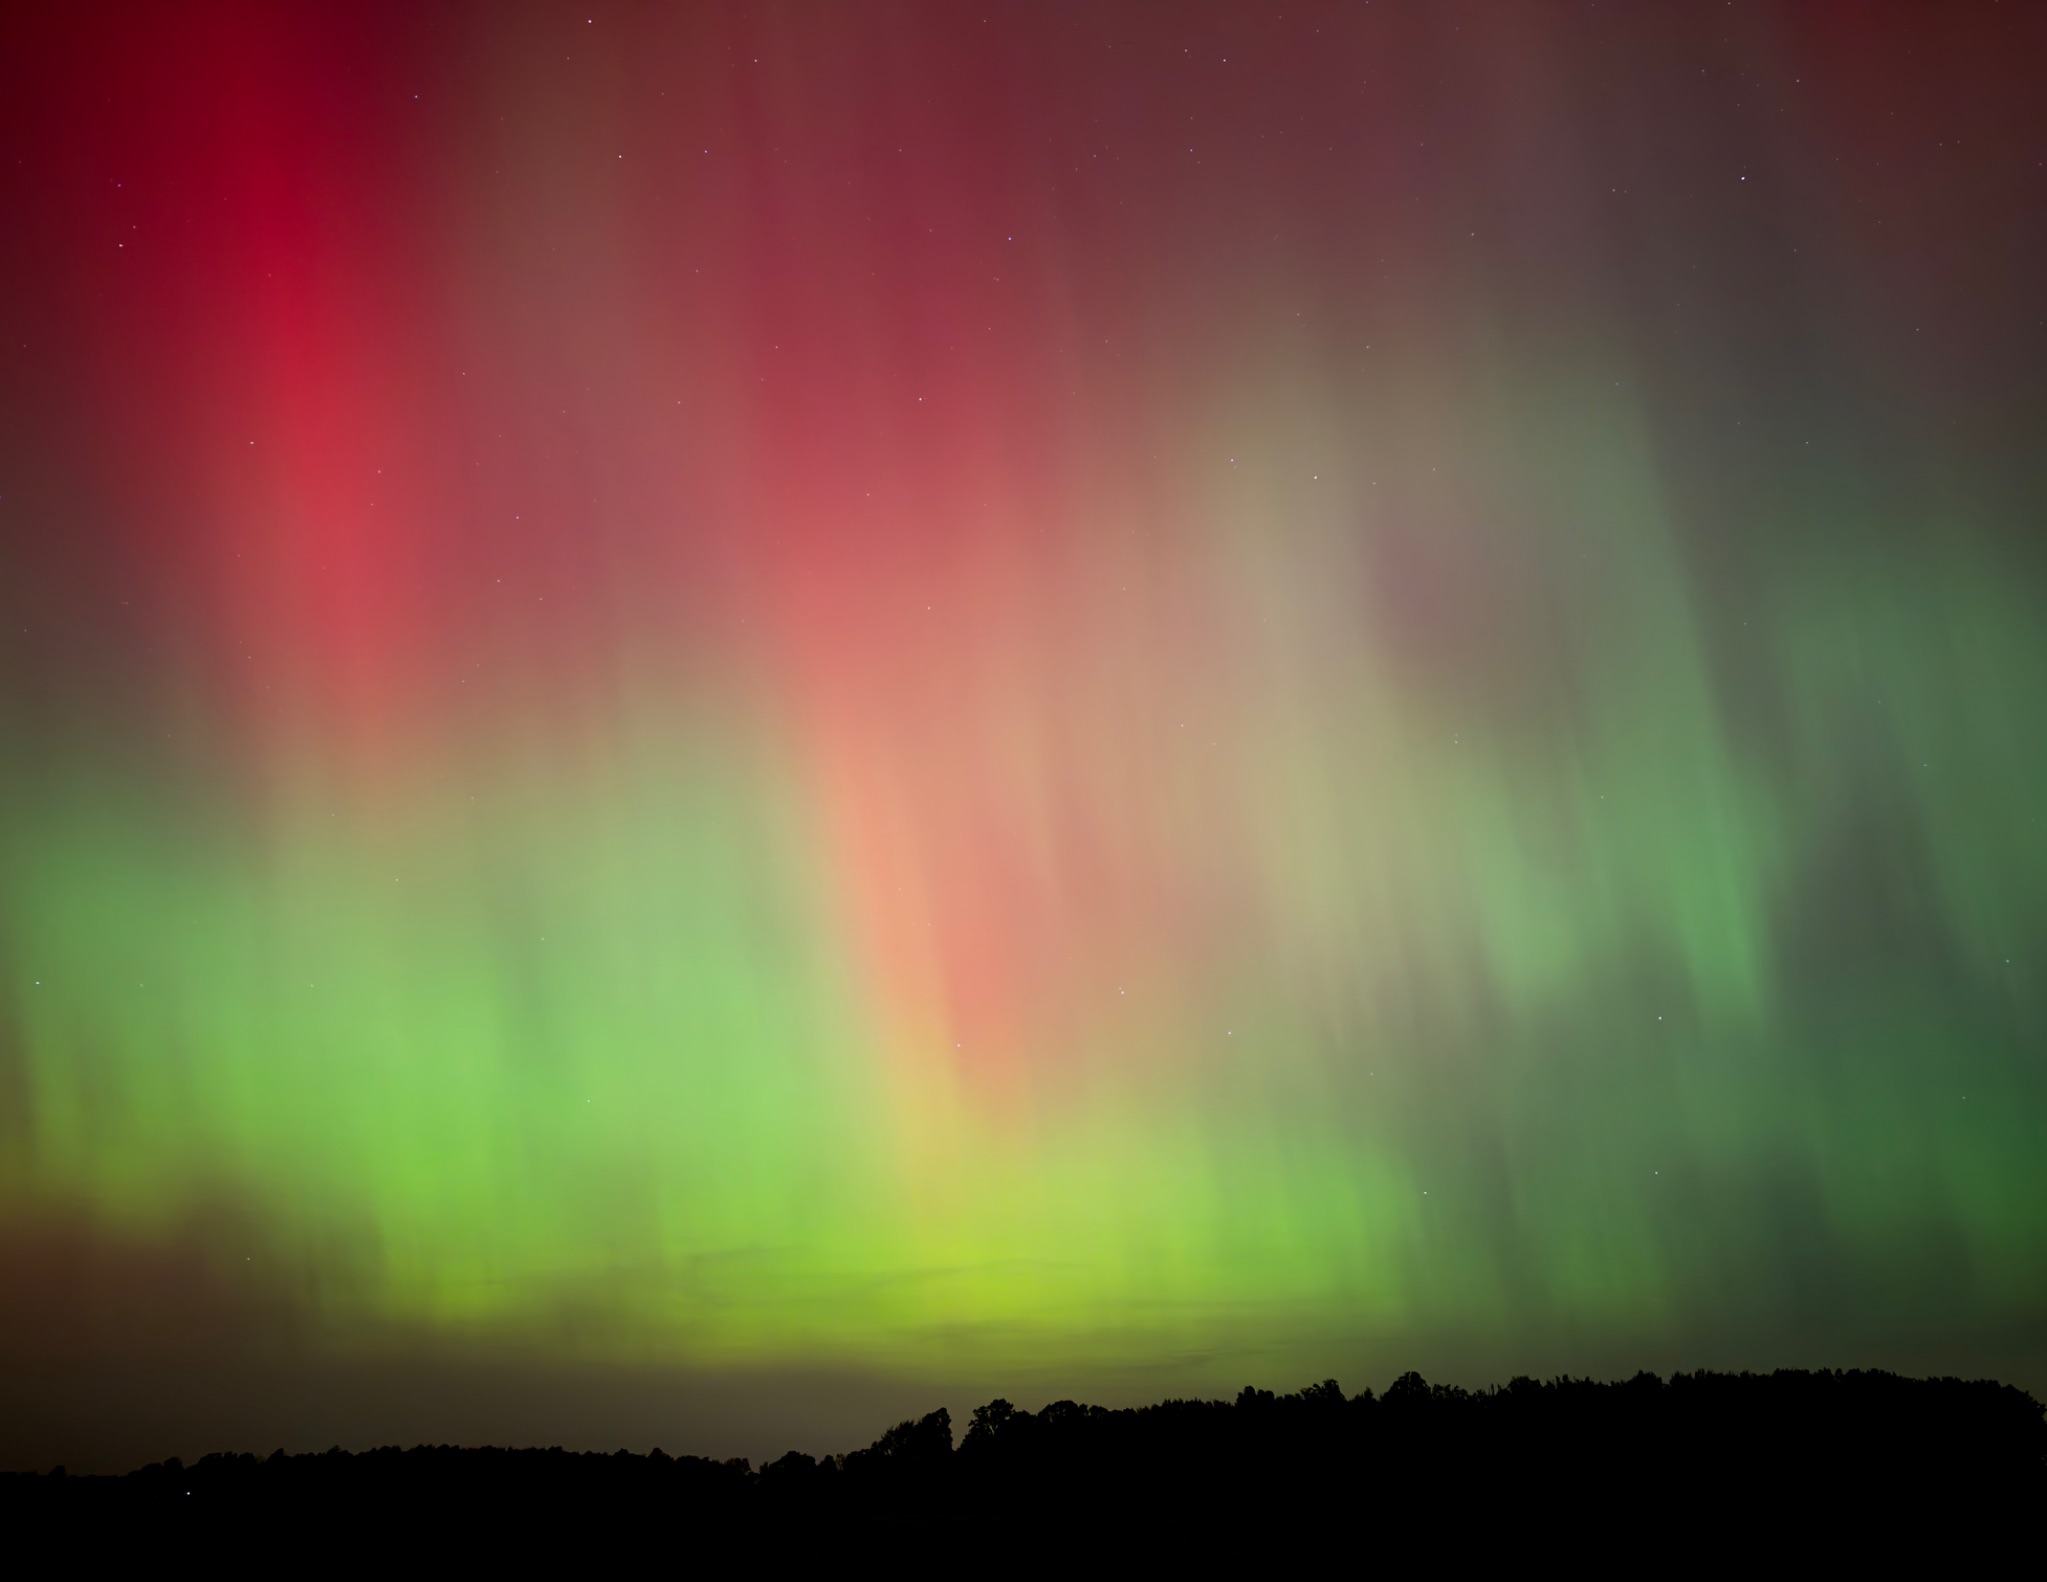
(1046, 694)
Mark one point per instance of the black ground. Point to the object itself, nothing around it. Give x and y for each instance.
(1749, 1467)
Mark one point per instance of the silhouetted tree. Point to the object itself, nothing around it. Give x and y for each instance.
(1697, 1459)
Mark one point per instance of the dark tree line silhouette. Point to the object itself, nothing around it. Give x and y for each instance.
(1705, 1460)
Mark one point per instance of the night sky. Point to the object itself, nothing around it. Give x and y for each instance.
(718, 721)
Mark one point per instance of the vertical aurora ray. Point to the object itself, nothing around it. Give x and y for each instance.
(866, 689)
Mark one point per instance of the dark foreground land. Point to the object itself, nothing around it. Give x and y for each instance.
(1700, 1464)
